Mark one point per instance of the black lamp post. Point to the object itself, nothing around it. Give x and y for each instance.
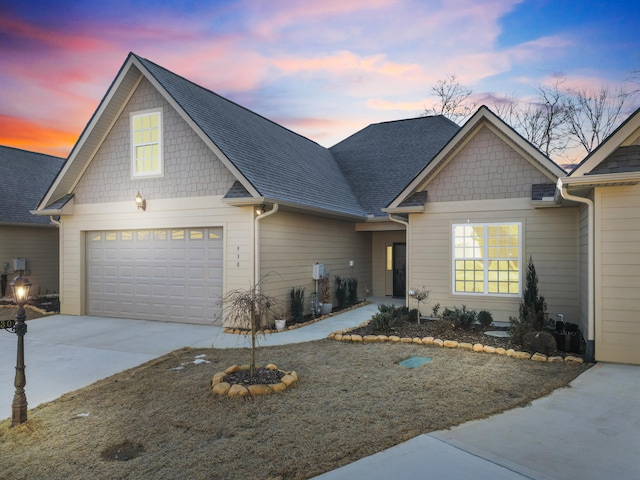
(20, 286)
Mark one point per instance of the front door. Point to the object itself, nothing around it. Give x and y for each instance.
(399, 269)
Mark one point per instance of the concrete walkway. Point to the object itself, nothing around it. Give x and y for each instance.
(588, 431)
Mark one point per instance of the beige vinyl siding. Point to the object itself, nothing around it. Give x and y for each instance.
(38, 245)
(382, 279)
(291, 243)
(193, 212)
(618, 270)
(550, 236)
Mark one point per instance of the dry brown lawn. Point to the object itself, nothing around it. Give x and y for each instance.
(352, 400)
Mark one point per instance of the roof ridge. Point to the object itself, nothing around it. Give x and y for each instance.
(228, 100)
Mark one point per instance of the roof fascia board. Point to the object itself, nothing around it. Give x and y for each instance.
(247, 201)
(626, 178)
(223, 158)
(87, 132)
(606, 148)
(404, 210)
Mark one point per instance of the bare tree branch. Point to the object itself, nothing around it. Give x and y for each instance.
(453, 100)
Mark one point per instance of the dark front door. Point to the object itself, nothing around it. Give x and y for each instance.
(399, 269)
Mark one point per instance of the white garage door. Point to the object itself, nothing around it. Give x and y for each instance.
(169, 274)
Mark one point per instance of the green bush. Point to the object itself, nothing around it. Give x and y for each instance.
(485, 318)
(352, 291)
(341, 292)
(461, 318)
(533, 308)
(387, 317)
(413, 315)
(297, 304)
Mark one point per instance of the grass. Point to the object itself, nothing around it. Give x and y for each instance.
(352, 400)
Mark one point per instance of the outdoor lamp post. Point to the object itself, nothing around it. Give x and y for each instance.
(20, 286)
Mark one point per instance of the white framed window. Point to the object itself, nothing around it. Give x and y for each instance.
(146, 144)
(487, 259)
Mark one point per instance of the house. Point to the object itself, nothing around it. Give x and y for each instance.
(606, 186)
(230, 199)
(25, 177)
(174, 195)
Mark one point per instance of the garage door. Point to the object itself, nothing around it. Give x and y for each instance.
(169, 274)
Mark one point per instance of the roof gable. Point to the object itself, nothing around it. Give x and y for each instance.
(481, 120)
(25, 177)
(618, 153)
(270, 162)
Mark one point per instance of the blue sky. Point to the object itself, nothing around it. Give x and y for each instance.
(324, 69)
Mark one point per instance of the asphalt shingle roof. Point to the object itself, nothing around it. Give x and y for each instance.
(26, 176)
(279, 163)
(542, 190)
(382, 159)
(622, 160)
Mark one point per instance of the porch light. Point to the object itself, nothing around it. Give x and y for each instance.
(260, 209)
(141, 203)
(20, 286)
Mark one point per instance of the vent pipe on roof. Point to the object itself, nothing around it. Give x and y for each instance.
(591, 323)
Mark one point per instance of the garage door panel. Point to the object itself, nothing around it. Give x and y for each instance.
(170, 274)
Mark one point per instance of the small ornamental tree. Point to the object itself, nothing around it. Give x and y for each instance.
(249, 309)
(533, 308)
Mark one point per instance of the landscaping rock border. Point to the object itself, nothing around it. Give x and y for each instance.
(220, 387)
(345, 336)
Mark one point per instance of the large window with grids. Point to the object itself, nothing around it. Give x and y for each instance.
(487, 259)
(146, 142)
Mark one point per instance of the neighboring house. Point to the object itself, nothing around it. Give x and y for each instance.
(24, 179)
(606, 185)
(232, 198)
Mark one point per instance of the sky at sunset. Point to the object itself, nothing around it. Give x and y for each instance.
(324, 69)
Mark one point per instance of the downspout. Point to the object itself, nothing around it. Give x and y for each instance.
(590, 347)
(407, 236)
(58, 225)
(256, 243)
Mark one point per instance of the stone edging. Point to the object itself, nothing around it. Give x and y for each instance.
(344, 336)
(241, 331)
(219, 387)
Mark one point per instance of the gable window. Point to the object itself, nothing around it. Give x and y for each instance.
(487, 258)
(146, 142)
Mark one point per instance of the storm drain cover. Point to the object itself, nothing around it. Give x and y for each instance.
(414, 362)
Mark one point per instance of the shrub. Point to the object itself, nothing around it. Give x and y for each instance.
(413, 315)
(485, 318)
(436, 310)
(533, 308)
(297, 304)
(352, 291)
(461, 318)
(341, 292)
(420, 295)
(387, 317)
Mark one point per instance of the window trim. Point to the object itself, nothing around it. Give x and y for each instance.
(485, 257)
(160, 172)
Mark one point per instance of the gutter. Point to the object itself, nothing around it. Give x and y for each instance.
(590, 347)
(256, 242)
(408, 264)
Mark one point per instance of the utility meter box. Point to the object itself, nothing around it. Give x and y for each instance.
(19, 264)
(318, 271)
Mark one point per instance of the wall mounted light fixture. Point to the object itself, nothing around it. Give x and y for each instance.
(141, 203)
(260, 209)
